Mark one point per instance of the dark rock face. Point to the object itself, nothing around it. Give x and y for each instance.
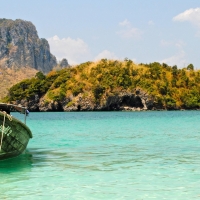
(20, 46)
(124, 101)
(118, 102)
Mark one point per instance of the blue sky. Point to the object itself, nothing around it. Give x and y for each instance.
(144, 31)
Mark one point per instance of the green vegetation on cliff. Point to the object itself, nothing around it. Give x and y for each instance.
(172, 88)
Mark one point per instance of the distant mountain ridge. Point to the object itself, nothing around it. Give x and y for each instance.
(20, 46)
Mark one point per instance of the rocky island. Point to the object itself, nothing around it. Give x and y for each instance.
(110, 85)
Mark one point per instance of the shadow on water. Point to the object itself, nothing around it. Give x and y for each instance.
(25, 161)
(15, 164)
(32, 158)
(57, 159)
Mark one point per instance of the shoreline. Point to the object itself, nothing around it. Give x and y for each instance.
(82, 111)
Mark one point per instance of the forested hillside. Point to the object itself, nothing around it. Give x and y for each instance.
(168, 86)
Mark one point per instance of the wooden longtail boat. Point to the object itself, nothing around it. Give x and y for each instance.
(14, 134)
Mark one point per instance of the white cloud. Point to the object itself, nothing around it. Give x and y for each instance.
(179, 59)
(125, 23)
(106, 54)
(128, 31)
(74, 50)
(192, 15)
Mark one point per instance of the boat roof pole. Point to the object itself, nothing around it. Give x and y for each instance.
(25, 117)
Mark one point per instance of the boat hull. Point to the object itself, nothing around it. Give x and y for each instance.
(15, 138)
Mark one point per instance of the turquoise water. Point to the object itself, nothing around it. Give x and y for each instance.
(107, 155)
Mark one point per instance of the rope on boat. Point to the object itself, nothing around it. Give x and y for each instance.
(3, 126)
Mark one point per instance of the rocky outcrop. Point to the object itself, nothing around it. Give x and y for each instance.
(64, 63)
(129, 101)
(20, 46)
(123, 101)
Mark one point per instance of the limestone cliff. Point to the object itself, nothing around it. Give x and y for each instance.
(20, 46)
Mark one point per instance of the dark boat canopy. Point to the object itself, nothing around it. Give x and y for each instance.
(12, 108)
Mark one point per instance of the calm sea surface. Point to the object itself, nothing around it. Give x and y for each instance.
(107, 155)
